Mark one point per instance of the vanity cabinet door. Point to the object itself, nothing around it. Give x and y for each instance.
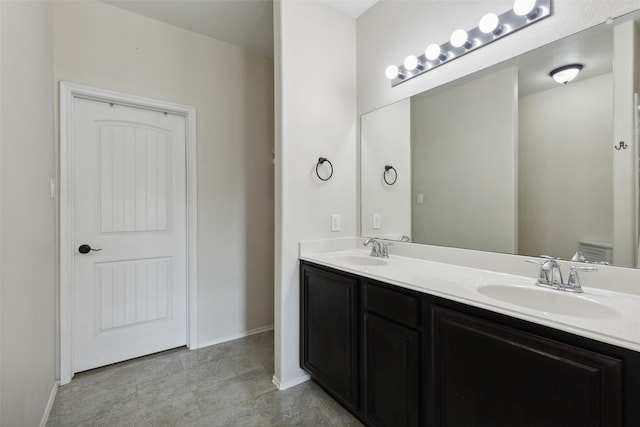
(488, 374)
(329, 332)
(392, 340)
(391, 373)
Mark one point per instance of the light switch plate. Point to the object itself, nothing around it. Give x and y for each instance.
(375, 221)
(335, 222)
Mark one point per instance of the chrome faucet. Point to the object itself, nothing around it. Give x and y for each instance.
(378, 250)
(375, 246)
(550, 275)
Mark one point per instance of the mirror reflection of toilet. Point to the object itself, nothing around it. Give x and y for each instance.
(596, 251)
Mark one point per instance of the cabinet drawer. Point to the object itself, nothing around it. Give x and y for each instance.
(398, 306)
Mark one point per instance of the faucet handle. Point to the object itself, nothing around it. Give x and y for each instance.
(551, 264)
(543, 275)
(545, 263)
(574, 268)
(549, 273)
(384, 249)
(573, 283)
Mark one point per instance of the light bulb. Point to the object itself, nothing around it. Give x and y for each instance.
(524, 7)
(410, 63)
(459, 38)
(433, 52)
(392, 72)
(489, 23)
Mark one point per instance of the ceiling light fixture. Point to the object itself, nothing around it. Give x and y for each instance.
(491, 28)
(565, 74)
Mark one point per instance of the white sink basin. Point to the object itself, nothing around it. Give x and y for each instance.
(358, 260)
(550, 301)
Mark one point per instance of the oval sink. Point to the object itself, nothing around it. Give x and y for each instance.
(361, 260)
(549, 300)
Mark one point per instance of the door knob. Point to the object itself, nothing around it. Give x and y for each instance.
(85, 249)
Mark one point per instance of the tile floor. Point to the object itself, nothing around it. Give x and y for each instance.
(227, 384)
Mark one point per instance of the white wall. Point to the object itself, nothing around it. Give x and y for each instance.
(102, 46)
(27, 226)
(463, 143)
(566, 166)
(315, 116)
(386, 140)
(391, 30)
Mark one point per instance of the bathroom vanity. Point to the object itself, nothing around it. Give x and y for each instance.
(403, 342)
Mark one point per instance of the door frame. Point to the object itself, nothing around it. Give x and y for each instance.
(68, 93)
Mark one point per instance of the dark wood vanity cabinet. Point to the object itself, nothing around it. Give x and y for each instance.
(403, 358)
(361, 342)
(330, 332)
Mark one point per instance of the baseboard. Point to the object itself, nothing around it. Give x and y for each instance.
(235, 337)
(291, 383)
(47, 410)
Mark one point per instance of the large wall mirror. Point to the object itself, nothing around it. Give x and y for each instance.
(507, 160)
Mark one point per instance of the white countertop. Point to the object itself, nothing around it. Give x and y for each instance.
(464, 284)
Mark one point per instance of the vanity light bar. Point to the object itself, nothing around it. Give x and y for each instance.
(492, 27)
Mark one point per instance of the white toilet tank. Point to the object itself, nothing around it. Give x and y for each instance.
(596, 251)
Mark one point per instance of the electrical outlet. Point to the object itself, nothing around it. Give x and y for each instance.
(375, 221)
(335, 222)
(420, 198)
(52, 188)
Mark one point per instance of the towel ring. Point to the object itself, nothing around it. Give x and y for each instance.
(387, 168)
(321, 160)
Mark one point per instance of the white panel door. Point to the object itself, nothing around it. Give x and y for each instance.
(130, 208)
